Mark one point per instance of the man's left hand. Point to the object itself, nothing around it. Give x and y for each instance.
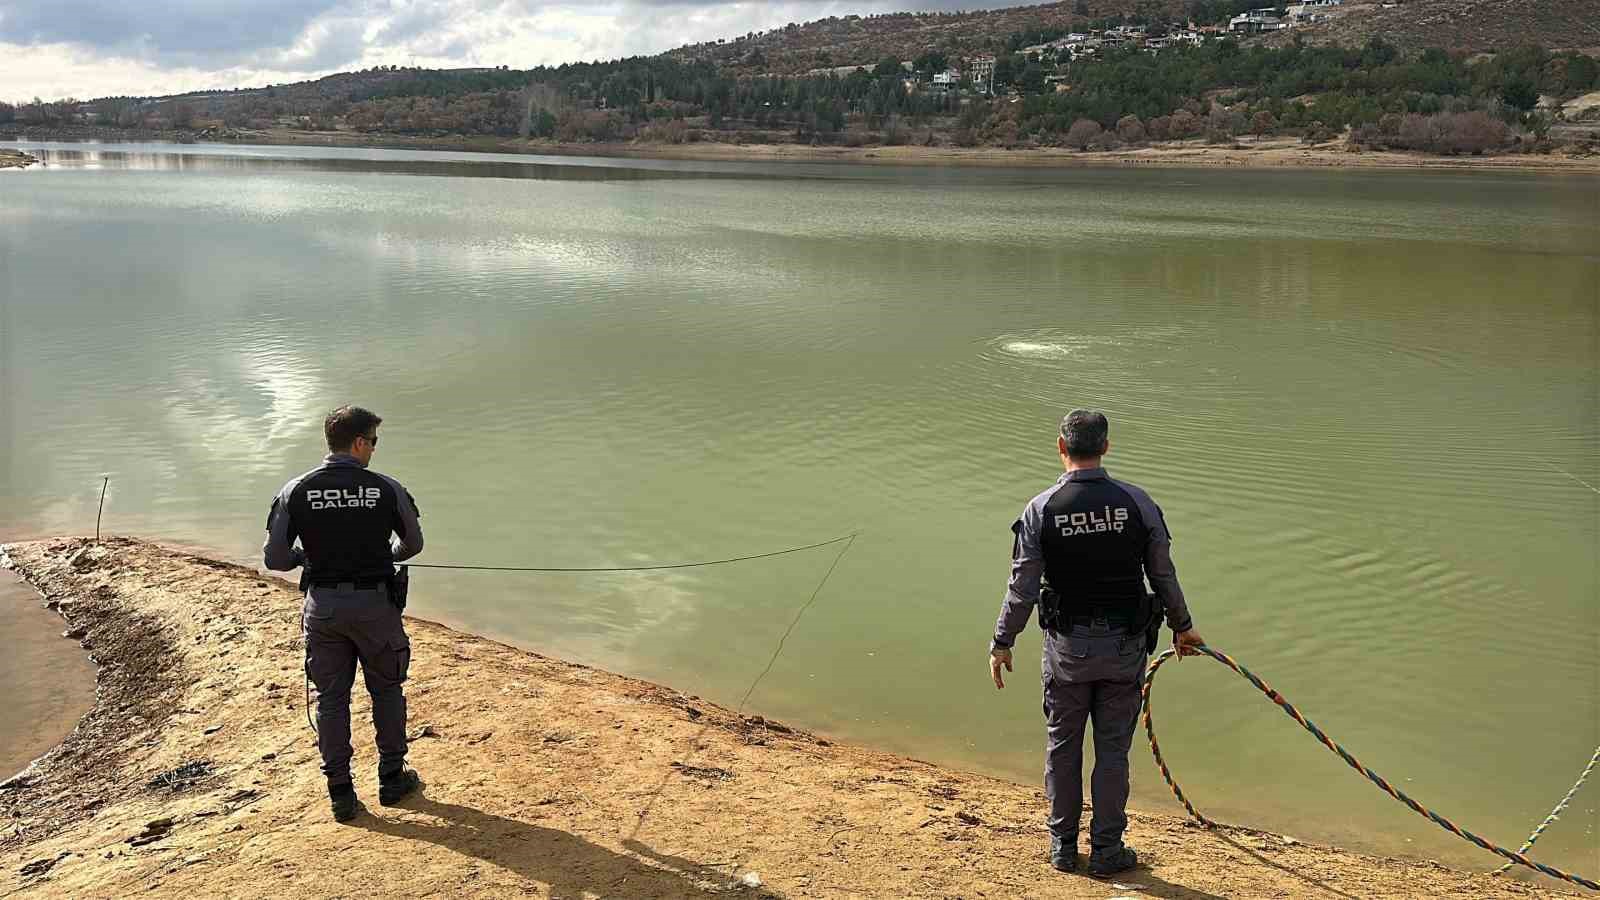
(999, 656)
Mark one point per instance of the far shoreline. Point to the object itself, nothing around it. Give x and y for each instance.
(16, 159)
(1272, 153)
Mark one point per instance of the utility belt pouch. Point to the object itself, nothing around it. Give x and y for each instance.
(1152, 627)
(1050, 617)
(305, 580)
(399, 586)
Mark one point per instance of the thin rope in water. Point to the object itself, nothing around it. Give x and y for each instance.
(739, 713)
(687, 565)
(847, 540)
(1555, 813)
(1572, 476)
(1516, 857)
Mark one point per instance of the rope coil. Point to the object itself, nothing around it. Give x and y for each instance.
(1513, 856)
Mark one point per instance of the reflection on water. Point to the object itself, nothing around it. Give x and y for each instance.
(469, 168)
(1332, 383)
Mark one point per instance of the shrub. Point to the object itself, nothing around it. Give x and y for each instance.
(1130, 130)
(1082, 133)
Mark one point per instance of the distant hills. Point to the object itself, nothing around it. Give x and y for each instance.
(1410, 25)
(1443, 76)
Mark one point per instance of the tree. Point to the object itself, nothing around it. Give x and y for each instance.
(1130, 130)
(1184, 124)
(887, 67)
(8, 113)
(1520, 93)
(1032, 80)
(1004, 72)
(1081, 7)
(1082, 133)
(1262, 123)
(932, 61)
(182, 114)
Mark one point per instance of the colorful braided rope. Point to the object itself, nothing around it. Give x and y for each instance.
(1560, 808)
(1515, 857)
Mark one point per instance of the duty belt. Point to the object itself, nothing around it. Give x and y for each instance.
(362, 584)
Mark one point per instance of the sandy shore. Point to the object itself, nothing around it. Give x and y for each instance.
(196, 775)
(1271, 153)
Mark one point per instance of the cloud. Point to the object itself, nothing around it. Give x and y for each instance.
(93, 48)
(181, 30)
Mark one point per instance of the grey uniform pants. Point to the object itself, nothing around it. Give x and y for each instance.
(343, 625)
(1090, 676)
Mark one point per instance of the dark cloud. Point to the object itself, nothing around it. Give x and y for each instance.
(180, 31)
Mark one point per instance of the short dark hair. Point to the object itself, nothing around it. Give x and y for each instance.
(345, 424)
(1085, 431)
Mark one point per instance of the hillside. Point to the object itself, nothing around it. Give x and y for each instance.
(864, 40)
(1474, 26)
(1410, 25)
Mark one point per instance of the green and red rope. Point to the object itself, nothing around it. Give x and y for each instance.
(1516, 857)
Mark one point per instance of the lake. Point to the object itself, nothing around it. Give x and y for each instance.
(1367, 401)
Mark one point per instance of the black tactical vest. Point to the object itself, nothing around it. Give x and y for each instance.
(1093, 539)
(343, 516)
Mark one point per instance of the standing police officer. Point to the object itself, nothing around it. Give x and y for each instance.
(343, 515)
(1081, 552)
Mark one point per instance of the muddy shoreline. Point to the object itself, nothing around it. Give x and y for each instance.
(1272, 153)
(195, 775)
(48, 681)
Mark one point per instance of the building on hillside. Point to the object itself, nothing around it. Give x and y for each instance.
(1256, 21)
(981, 69)
(947, 79)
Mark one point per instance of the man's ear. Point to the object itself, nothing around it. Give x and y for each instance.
(1061, 445)
(1106, 448)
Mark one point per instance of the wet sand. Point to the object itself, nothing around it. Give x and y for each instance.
(46, 680)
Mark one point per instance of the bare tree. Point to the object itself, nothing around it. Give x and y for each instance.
(1082, 133)
(1262, 123)
(1130, 130)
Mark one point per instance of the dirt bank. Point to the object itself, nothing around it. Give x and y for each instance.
(1272, 153)
(195, 775)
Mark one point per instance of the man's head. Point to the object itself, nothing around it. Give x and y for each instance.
(352, 430)
(1084, 437)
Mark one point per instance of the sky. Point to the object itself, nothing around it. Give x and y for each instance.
(96, 48)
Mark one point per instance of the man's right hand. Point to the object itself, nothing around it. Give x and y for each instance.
(999, 656)
(1187, 643)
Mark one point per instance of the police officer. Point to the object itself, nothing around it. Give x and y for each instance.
(1081, 552)
(352, 525)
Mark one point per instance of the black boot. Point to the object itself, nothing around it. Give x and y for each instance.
(394, 788)
(1063, 854)
(345, 803)
(1108, 861)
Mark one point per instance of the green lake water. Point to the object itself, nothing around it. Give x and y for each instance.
(1367, 401)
